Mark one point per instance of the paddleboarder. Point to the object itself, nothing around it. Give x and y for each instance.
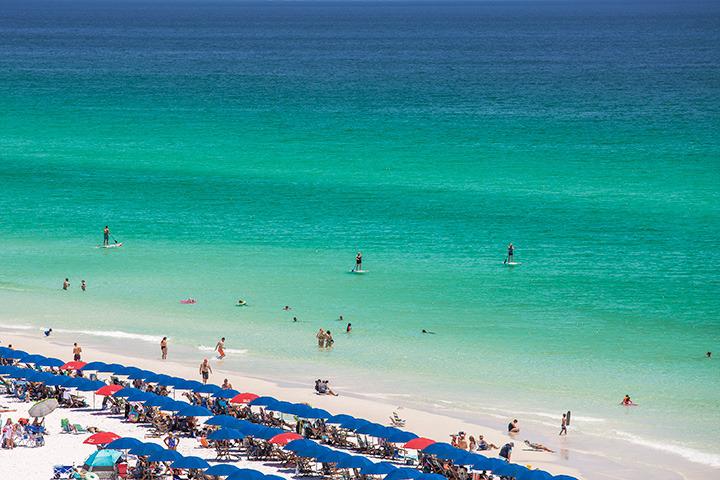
(510, 253)
(106, 236)
(358, 262)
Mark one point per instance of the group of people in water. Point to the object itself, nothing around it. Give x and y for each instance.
(66, 284)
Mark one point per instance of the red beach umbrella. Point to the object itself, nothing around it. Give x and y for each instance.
(419, 443)
(285, 438)
(244, 398)
(101, 438)
(73, 366)
(109, 390)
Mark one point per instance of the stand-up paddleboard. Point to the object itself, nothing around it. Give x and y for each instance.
(358, 271)
(512, 264)
(111, 245)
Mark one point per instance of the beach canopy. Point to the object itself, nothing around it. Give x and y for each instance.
(246, 474)
(285, 438)
(108, 367)
(140, 374)
(354, 461)
(190, 462)
(403, 474)
(222, 421)
(43, 408)
(226, 393)
(101, 438)
(395, 435)
(244, 398)
(145, 449)
(165, 456)
(34, 358)
(226, 434)
(159, 401)
(183, 384)
(103, 458)
(266, 433)
(195, 411)
(419, 443)
(221, 470)
(381, 468)
(73, 366)
(124, 443)
(139, 396)
(352, 424)
(109, 390)
(263, 401)
(175, 406)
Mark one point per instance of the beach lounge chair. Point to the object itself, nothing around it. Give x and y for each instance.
(66, 427)
(396, 420)
(62, 472)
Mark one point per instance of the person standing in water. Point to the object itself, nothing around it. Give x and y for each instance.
(511, 252)
(220, 347)
(348, 329)
(66, 284)
(320, 335)
(83, 285)
(563, 424)
(106, 236)
(163, 348)
(358, 262)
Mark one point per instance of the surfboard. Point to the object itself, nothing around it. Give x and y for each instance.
(112, 245)
(512, 264)
(358, 271)
(567, 420)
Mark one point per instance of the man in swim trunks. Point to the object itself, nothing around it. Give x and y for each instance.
(538, 447)
(205, 370)
(83, 285)
(358, 262)
(163, 348)
(76, 352)
(66, 284)
(511, 252)
(320, 335)
(106, 235)
(220, 347)
(563, 424)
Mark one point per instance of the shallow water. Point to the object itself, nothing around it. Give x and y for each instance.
(248, 150)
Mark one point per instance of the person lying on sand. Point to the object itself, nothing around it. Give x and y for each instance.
(538, 447)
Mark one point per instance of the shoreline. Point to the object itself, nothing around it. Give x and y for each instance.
(572, 458)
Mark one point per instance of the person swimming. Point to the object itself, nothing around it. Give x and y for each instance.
(425, 331)
(241, 303)
(627, 402)
(48, 332)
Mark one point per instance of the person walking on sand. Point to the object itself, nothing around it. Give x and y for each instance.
(563, 424)
(205, 370)
(83, 285)
(220, 347)
(66, 284)
(106, 236)
(320, 335)
(163, 348)
(358, 262)
(77, 351)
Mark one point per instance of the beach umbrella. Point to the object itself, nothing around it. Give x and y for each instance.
(195, 411)
(103, 458)
(126, 392)
(419, 443)
(33, 358)
(8, 369)
(316, 413)
(338, 419)
(403, 474)
(303, 448)
(374, 429)
(188, 385)
(354, 423)
(222, 421)
(73, 366)
(263, 401)
(58, 381)
(381, 468)
(190, 462)
(159, 401)
(165, 456)
(95, 366)
(50, 362)
(43, 408)
(208, 388)
(266, 433)
(101, 438)
(328, 455)
(249, 428)
(536, 474)
(139, 396)
(394, 435)
(90, 385)
(246, 474)
(563, 477)
(226, 393)
(16, 354)
(108, 390)
(244, 398)
(431, 476)
(175, 406)
(107, 367)
(221, 470)
(124, 443)
(226, 434)
(140, 374)
(285, 438)
(273, 477)
(354, 461)
(162, 379)
(145, 449)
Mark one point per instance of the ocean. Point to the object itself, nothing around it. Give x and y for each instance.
(250, 149)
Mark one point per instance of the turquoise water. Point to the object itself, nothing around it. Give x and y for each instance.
(248, 150)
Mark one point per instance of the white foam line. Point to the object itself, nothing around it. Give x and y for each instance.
(691, 454)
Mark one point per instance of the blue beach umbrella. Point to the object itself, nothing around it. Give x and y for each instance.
(331, 456)
(165, 456)
(175, 406)
(431, 476)
(127, 391)
(354, 461)
(157, 401)
(229, 393)
(7, 369)
(103, 458)
(221, 470)
(124, 443)
(90, 386)
(338, 419)
(140, 374)
(537, 475)
(208, 388)
(393, 435)
(403, 474)
(246, 474)
(57, 381)
(371, 429)
(95, 366)
(107, 367)
(50, 362)
(273, 477)
(187, 384)
(162, 379)
(564, 477)
(222, 421)
(267, 433)
(138, 396)
(226, 434)
(146, 449)
(190, 462)
(33, 358)
(263, 401)
(300, 444)
(354, 423)
(381, 468)
(195, 411)
(16, 354)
